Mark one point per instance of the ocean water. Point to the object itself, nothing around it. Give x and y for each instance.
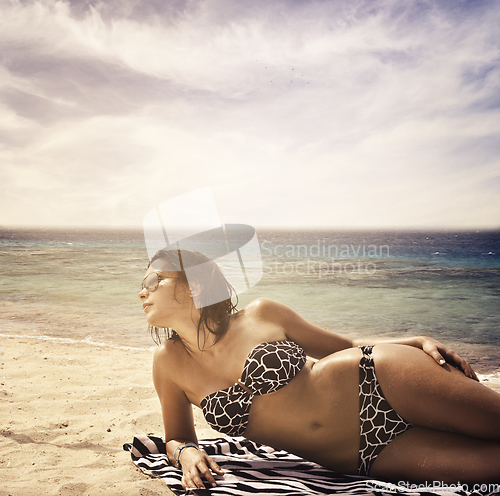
(83, 284)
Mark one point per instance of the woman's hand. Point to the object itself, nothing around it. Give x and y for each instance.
(442, 354)
(196, 464)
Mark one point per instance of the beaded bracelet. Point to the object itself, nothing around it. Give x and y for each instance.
(178, 451)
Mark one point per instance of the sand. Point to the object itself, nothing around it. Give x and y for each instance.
(67, 408)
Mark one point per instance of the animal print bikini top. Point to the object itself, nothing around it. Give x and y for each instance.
(268, 367)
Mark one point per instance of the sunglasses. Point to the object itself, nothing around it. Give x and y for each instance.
(152, 281)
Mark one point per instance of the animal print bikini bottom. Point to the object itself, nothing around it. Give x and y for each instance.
(379, 422)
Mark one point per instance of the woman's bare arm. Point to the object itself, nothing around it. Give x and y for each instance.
(177, 414)
(318, 342)
(315, 341)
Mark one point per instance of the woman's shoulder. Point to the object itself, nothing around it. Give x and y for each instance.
(261, 305)
(166, 355)
(167, 370)
(268, 309)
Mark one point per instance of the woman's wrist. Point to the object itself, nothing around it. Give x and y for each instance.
(178, 452)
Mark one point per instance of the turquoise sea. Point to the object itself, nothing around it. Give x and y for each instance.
(82, 284)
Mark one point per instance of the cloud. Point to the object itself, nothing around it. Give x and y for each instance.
(329, 113)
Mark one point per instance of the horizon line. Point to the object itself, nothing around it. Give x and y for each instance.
(97, 227)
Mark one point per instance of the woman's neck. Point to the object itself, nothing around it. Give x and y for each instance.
(195, 337)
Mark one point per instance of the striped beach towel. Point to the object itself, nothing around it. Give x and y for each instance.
(251, 468)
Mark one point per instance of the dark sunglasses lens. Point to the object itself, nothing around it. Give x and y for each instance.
(150, 282)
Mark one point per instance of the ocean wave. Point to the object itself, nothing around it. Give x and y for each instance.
(87, 340)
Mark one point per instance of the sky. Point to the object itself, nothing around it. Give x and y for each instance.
(336, 114)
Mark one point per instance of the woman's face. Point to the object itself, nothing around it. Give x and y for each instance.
(167, 300)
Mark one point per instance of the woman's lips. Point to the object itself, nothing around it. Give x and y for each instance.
(146, 305)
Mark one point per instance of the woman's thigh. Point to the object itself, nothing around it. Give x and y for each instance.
(420, 455)
(429, 395)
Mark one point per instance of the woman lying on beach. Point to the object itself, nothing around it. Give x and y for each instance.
(405, 409)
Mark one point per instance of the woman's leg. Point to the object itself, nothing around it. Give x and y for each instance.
(436, 398)
(429, 395)
(424, 455)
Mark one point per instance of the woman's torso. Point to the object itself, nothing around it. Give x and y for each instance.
(316, 415)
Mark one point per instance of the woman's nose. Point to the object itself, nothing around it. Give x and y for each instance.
(143, 293)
